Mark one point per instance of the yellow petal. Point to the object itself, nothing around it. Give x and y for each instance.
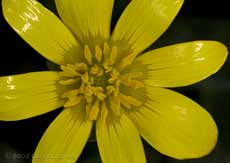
(65, 138)
(28, 95)
(118, 140)
(41, 29)
(87, 18)
(183, 64)
(143, 21)
(175, 125)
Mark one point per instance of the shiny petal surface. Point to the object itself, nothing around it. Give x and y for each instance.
(42, 30)
(65, 138)
(143, 21)
(118, 141)
(87, 19)
(28, 95)
(175, 125)
(183, 64)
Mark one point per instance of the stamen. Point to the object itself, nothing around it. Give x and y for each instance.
(115, 105)
(134, 74)
(71, 93)
(110, 59)
(88, 55)
(107, 67)
(85, 77)
(135, 84)
(81, 67)
(113, 55)
(104, 111)
(91, 80)
(67, 82)
(93, 112)
(96, 70)
(87, 91)
(98, 53)
(114, 76)
(68, 72)
(110, 89)
(89, 99)
(130, 81)
(88, 107)
(73, 101)
(126, 61)
(98, 92)
(128, 101)
(98, 82)
(116, 92)
(106, 49)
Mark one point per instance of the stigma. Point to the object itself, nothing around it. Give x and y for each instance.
(97, 82)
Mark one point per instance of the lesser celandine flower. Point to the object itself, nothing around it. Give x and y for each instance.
(106, 79)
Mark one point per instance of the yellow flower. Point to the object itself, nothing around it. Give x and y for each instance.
(106, 79)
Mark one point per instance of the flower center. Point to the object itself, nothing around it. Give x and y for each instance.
(97, 82)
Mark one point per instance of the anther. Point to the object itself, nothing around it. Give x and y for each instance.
(129, 101)
(93, 112)
(104, 111)
(115, 105)
(96, 70)
(70, 93)
(67, 82)
(98, 92)
(98, 53)
(87, 91)
(110, 89)
(67, 71)
(88, 55)
(81, 67)
(72, 101)
(129, 80)
(106, 49)
(85, 77)
(113, 55)
(114, 76)
(126, 61)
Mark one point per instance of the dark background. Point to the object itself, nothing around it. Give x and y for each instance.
(198, 20)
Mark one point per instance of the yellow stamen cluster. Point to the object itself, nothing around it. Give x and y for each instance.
(97, 80)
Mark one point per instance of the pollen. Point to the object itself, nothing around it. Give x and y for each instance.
(97, 82)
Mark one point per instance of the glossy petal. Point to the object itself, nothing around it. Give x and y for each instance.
(87, 19)
(183, 64)
(143, 21)
(28, 95)
(65, 138)
(175, 125)
(118, 141)
(41, 29)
